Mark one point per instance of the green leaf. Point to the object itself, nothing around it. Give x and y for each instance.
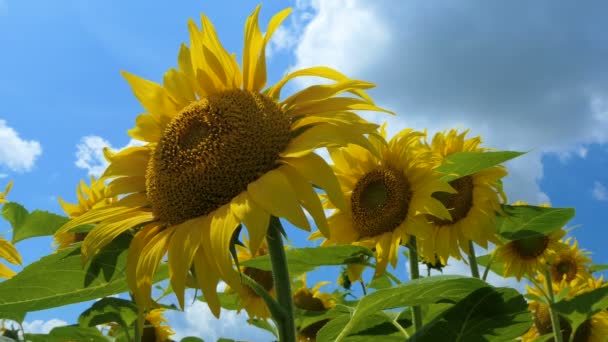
(107, 310)
(27, 225)
(379, 282)
(431, 290)
(521, 222)
(302, 260)
(580, 308)
(264, 325)
(495, 267)
(376, 327)
(192, 339)
(59, 279)
(13, 316)
(305, 318)
(486, 314)
(69, 333)
(463, 164)
(597, 268)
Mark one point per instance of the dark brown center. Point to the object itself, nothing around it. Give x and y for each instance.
(530, 248)
(458, 203)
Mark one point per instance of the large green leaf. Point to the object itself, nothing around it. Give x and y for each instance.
(27, 225)
(580, 308)
(467, 163)
(13, 316)
(59, 279)
(375, 327)
(69, 333)
(486, 314)
(302, 260)
(436, 289)
(520, 222)
(110, 310)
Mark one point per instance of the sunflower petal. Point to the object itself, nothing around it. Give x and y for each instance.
(253, 43)
(274, 194)
(182, 248)
(207, 279)
(6, 272)
(131, 161)
(178, 87)
(324, 91)
(153, 98)
(222, 227)
(140, 240)
(332, 104)
(149, 259)
(253, 216)
(94, 216)
(126, 185)
(9, 253)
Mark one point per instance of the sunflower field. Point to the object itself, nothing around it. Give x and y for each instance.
(227, 169)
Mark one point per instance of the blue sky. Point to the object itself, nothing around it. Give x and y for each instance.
(514, 73)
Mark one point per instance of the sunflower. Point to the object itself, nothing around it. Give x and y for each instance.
(529, 255)
(220, 151)
(472, 207)
(155, 331)
(594, 329)
(248, 299)
(312, 300)
(8, 252)
(387, 195)
(570, 263)
(89, 197)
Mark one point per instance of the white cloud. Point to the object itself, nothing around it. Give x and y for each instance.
(599, 191)
(197, 320)
(15, 153)
(89, 154)
(42, 327)
(522, 83)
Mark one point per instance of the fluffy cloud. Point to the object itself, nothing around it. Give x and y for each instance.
(89, 154)
(599, 191)
(17, 154)
(511, 71)
(42, 327)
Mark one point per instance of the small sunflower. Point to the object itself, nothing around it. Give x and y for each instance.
(595, 329)
(570, 263)
(472, 207)
(387, 196)
(221, 151)
(89, 197)
(312, 300)
(8, 252)
(530, 255)
(248, 299)
(154, 330)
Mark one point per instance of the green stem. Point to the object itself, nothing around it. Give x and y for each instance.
(415, 274)
(557, 331)
(487, 270)
(473, 261)
(363, 288)
(282, 280)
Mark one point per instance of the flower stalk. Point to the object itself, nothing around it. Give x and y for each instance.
(415, 274)
(473, 261)
(282, 281)
(557, 331)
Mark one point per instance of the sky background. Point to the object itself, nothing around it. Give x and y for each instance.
(528, 76)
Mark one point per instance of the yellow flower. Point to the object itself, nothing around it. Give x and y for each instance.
(472, 208)
(89, 197)
(530, 255)
(594, 329)
(570, 263)
(3, 194)
(154, 330)
(312, 300)
(249, 300)
(8, 252)
(387, 196)
(221, 151)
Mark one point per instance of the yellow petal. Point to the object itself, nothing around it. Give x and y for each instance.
(383, 246)
(184, 244)
(140, 240)
(94, 216)
(324, 91)
(316, 170)
(222, 227)
(108, 230)
(68, 208)
(153, 98)
(126, 185)
(253, 43)
(207, 279)
(307, 196)
(184, 62)
(334, 104)
(6, 272)
(9, 252)
(229, 63)
(253, 216)
(274, 194)
(131, 161)
(178, 87)
(151, 255)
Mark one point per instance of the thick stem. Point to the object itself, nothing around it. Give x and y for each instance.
(282, 281)
(487, 270)
(473, 261)
(557, 331)
(415, 274)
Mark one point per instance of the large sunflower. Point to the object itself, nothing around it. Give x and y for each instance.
(388, 195)
(472, 207)
(570, 263)
(8, 252)
(220, 151)
(89, 197)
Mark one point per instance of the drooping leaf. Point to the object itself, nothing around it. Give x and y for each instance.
(27, 225)
(375, 327)
(302, 260)
(467, 163)
(520, 222)
(69, 333)
(486, 314)
(436, 289)
(60, 279)
(580, 308)
(13, 315)
(110, 310)
(597, 268)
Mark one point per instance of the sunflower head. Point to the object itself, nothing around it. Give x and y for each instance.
(154, 329)
(6, 191)
(388, 195)
(570, 263)
(472, 206)
(312, 300)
